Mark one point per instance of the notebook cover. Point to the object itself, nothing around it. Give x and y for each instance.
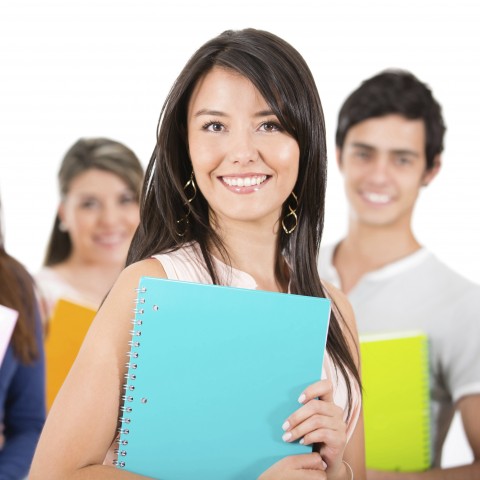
(66, 330)
(8, 319)
(216, 372)
(396, 401)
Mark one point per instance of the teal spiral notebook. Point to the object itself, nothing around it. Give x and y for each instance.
(213, 373)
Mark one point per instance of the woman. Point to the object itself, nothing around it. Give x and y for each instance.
(22, 372)
(100, 181)
(235, 190)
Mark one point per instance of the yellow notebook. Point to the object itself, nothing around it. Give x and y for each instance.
(67, 329)
(396, 400)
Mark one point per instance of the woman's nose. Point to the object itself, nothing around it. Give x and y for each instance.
(243, 150)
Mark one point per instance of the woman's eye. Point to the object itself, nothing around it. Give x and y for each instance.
(271, 127)
(89, 204)
(126, 199)
(213, 126)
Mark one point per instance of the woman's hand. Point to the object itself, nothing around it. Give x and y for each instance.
(319, 420)
(309, 466)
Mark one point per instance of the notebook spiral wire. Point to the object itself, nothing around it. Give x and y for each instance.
(130, 377)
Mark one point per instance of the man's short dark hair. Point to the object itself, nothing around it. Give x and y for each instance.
(394, 92)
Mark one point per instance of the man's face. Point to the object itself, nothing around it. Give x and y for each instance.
(384, 166)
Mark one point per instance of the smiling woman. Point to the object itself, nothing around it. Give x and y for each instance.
(233, 196)
(244, 162)
(99, 183)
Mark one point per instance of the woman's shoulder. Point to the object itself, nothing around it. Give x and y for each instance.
(117, 306)
(149, 267)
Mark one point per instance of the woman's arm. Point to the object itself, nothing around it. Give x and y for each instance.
(354, 452)
(308, 466)
(82, 423)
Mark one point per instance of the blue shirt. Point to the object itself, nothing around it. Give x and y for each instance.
(22, 409)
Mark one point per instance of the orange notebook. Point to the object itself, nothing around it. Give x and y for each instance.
(67, 329)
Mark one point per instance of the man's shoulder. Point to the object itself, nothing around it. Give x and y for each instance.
(444, 272)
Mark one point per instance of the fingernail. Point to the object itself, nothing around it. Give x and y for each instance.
(301, 398)
(302, 441)
(286, 425)
(324, 465)
(286, 436)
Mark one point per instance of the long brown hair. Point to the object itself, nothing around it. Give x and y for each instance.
(283, 78)
(17, 292)
(87, 153)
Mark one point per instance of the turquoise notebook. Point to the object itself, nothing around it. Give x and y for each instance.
(213, 374)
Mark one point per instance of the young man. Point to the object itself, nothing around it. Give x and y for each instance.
(389, 140)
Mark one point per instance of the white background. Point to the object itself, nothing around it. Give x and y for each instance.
(103, 68)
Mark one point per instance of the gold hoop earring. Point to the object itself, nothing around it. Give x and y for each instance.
(189, 185)
(293, 216)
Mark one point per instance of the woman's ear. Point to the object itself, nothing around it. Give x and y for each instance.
(62, 226)
(338, 154)
(431, 173)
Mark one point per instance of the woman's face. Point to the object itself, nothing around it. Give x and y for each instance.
(101, 214)
(245, 163)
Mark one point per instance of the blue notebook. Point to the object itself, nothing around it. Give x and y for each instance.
(213, 373)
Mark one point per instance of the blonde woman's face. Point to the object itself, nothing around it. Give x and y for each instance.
(100, 213)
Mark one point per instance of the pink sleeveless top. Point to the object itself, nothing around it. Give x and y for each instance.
(187, 264)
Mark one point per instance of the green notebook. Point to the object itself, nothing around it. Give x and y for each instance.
(396, 401)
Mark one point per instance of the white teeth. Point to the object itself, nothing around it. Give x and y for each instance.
(244, 181)
(377, 197)
(109, 239)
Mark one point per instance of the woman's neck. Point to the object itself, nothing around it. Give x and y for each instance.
(91, 280)
(254, 251)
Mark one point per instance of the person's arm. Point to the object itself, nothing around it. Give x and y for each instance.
(82, 422)
(308, 466)
(24, 413)
(469, 407)
(354, 453)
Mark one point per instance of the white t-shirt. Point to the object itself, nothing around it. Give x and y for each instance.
(420, 292)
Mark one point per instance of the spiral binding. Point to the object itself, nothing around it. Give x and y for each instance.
(130, 377)
(427, 443)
